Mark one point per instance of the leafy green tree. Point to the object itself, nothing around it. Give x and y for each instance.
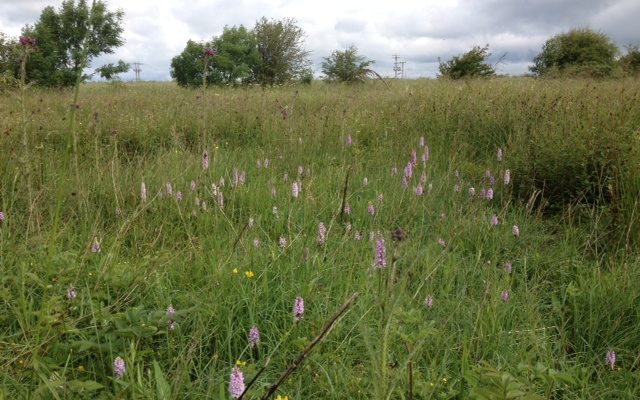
(471, 64)
(9, 61)
(238, 58)
(188, 68)
(577, 52)
(282, 52)
(70, 38)
(630, 62)
(347, 66)
(110, 71)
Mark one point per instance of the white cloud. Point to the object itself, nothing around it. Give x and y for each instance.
(421, 32)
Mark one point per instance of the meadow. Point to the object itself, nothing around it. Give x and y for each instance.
(484, 232)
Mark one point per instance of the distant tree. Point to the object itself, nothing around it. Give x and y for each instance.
(69, 39)
(188, 68)
(282, 52)
(630, 62)
(579, 51)
(471, 64)
(110, 71)
(9, 61)
(347, 66)
(238, 59)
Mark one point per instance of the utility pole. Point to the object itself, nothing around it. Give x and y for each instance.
(137, 69)
(396, 65)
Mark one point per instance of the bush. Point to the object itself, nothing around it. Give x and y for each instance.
(471, 64)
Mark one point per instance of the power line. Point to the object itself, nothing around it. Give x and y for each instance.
(396, 65)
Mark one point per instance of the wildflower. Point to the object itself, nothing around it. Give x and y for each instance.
(394, 171)
(2, 217)
(236, 383)
(171, 312)
(282, 242)
(169, 189)
(300, 170)
(494, 220)
(240, 363)
(443, 216)
(349, 141)
(322, 233)
(248, 274)
(221, 182)
(220, 199)
(285, 177)
(611, 358)
(196, 201)
(193, 185)
(209, 52)
(27, 41)
(273, 191)
(179, 196)
(256, 243)
(95, 245)
(295, 189)
(259, 164)
(278, 397)
(357, 236)
(251, 222)
(408, 170)
(143, 192)
(365, 181)
(423, 178)
(419, 190)
(266, 163)
(425, 154)
(254, 336)
(298, 309)
(515, 231)
(456, 188)
(381, 254)
(499, 154)
(71, 292)
(507, 177)
(472, 191)
(442, 243)
(172, 325)
(274, 211)
(205, 160)
(489, 194)
(508, 267)
(504, 295)
(371, 209)
(119, 367)
(428, 302)
(348, 227)
(414, 157)
(421, 141)
(405, 182)
(235, 271)
(347, 209)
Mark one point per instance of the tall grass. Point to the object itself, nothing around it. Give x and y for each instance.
(572, 148)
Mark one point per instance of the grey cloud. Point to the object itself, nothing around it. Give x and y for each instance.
(350, 26)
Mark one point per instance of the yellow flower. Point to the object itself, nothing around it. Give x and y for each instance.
(235, 270)
(278, 397)
(240, 363)
(81, 368)
(249, 274)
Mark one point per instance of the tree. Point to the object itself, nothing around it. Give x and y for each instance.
(471, 64)
(630, 62)
(9, 61)
(188, 68)
(347, 66)
(281, 48)
(110, 71)
(579, 51)
(69, 39)
(238, 59)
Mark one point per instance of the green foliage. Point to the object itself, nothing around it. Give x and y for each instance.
(630, 62)
(8, 62)
(346, 66)
(471, 64)
(281, 48)
(110, 71)
(68, 39)
(579, 52)
(188, 67)
(237, 59)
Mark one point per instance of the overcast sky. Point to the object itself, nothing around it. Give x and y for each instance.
(419, 31)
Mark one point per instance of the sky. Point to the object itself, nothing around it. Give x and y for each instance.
(419, 31)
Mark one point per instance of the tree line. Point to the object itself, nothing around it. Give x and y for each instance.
(61, 44)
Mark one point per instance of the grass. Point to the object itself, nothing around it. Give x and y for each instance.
(573, 149)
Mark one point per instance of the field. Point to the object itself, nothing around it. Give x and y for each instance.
(486, 233)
